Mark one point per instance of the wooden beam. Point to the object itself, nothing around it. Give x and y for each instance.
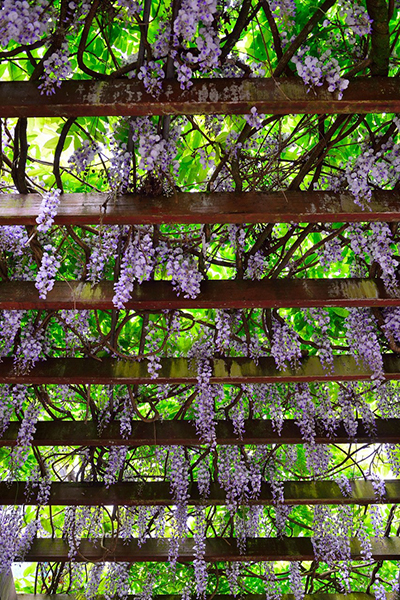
(160, 295)
(200, 207)
(181, 370)
(183, 433)
(217, 549)
(206, 96)
(158, 493)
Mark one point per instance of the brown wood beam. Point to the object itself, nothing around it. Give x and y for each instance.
(180, 370)
(183, 433)
(217, 549)
(200, 207)
(159, 494)
(206, 96)
(160, 295)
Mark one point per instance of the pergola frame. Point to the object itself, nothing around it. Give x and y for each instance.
(21, 99)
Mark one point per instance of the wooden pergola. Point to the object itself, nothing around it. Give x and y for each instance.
(91, 98)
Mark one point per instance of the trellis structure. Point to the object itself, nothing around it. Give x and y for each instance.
(95, 366)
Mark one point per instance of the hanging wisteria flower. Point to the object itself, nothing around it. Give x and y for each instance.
(132, 5)
(25, 436)
(10, 321)
(205, 403)
(104, 247)
(15, 538)
(23, 22)
(83, 156)
(48, 270)
(182, 268)
(30, 348)
(57, 68)
(355, 16)
(199, 564)
(285, 9)
(316, 71)
(152, 75)
(156, 154)
(13, 239)
(285, 345)
(194, 24)
(120, 160)
(372, 169)
(137, 265)
(48, 210)
(363, 341)
(272, 590)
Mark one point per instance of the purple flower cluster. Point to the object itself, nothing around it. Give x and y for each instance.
(363, 341)
(10, 321)
(155, 153)
(57, 68)
(372, 169)
(256, 266)
(24, 438)
(30, 348)
(379, 591)
(332, 530)
(120, 160)
(152, 75)
(205, 404)
(240, 481)
(48, 270)
(48, 210)
(137, 265)
(194, 24)
(116, 459)
(116, 583)
(392, 323)
(317, 71)
(6, 408)
(204, 477)
(272, 591)
(232, 575)
(15, 538)
(347, 412)
(104, 247)
(285, 10)
(131, 5)
(182, 268)
(83, 156)
(23, 22)
(223, 326)
(296, 582)
(13, 238)
(355, 16)
(320, 320)
(179, 481)
(285, 346)
(305, 413)
(199, 547)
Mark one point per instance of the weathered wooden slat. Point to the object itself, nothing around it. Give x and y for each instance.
(198, 207)
(183, 433)
(206, 96)
(217, 549)
(159, 494)
(159, 295)
(180, 370)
